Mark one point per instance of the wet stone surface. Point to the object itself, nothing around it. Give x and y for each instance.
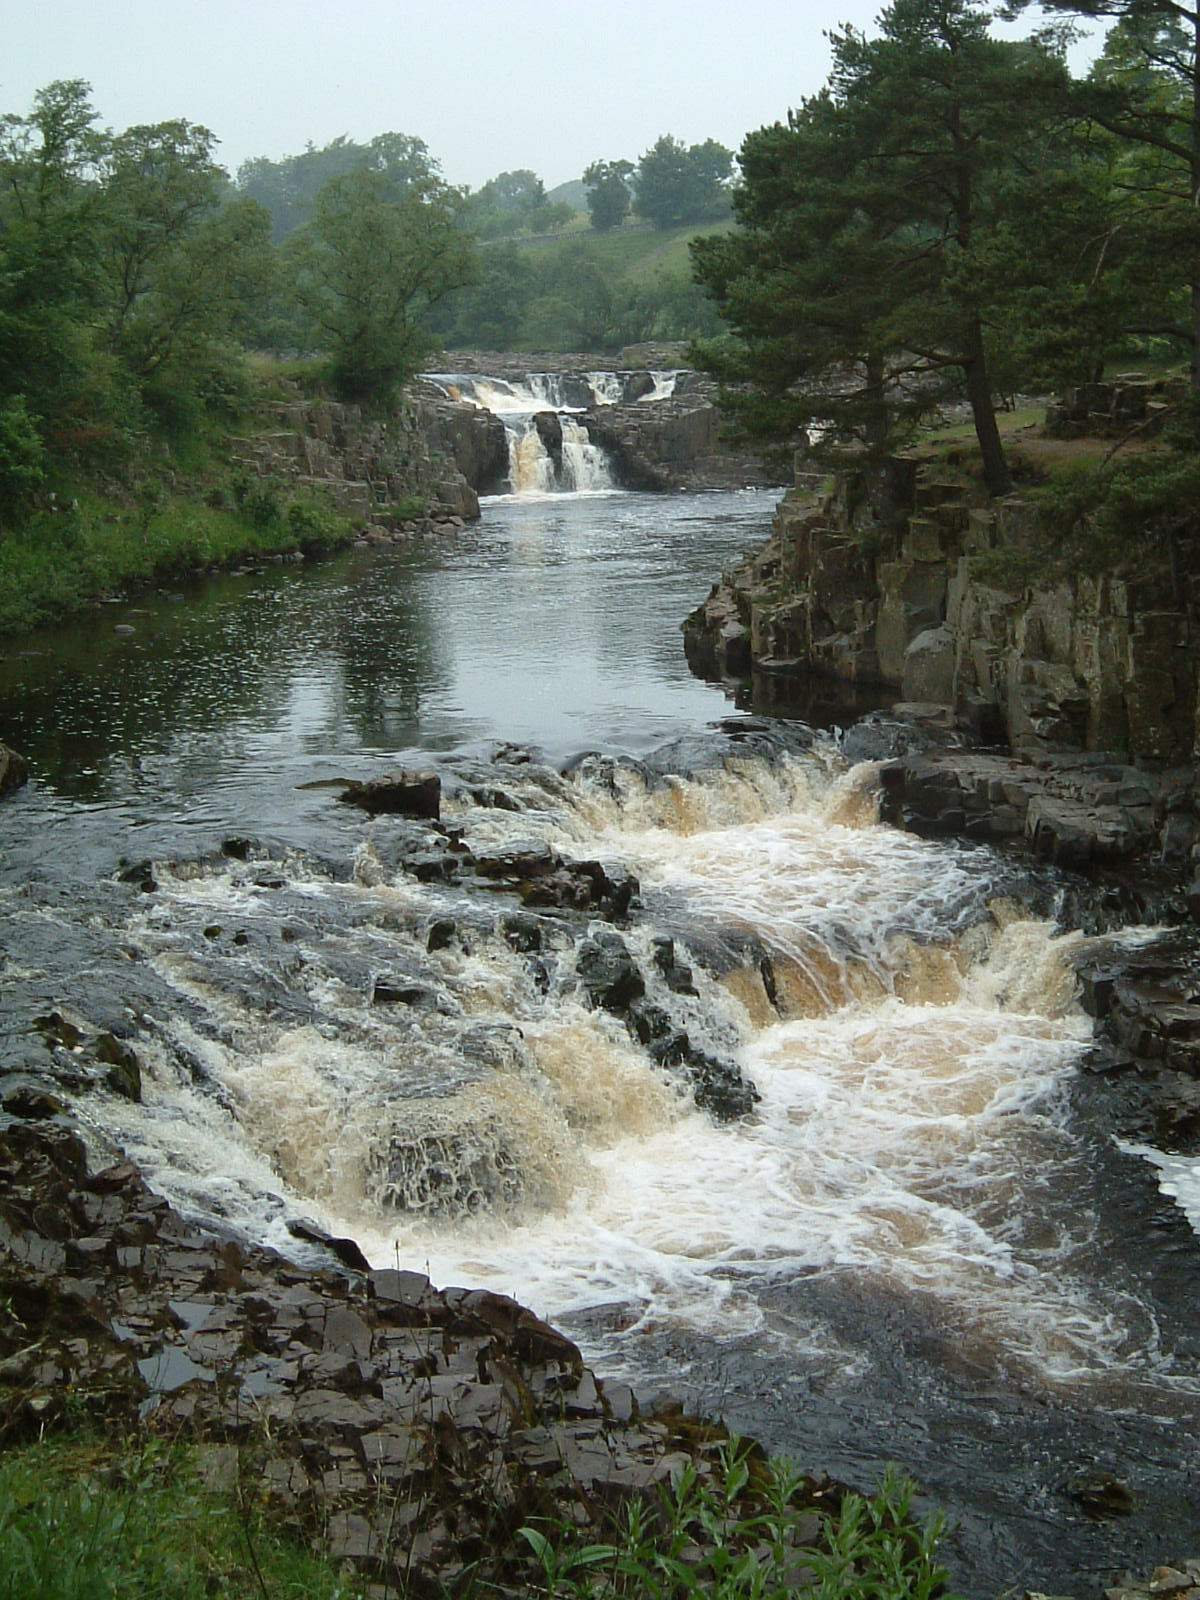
(419, 1426)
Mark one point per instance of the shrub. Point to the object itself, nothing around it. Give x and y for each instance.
(729, 1545)
(22, 455)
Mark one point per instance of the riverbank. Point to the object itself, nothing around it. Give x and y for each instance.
(299, 477)
(409, 1434)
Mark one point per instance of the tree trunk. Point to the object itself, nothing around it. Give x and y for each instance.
(1194, 19)
(876, 428)
(979, 392)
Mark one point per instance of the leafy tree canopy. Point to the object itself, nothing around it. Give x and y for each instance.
(608, 193)
(678, 183)
(872, 264)
(288, 188)
(365, 268)
(512, 202)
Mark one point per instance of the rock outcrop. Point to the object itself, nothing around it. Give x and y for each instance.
(14, 770)
(368, 466)
(674, 443)
(874, 585)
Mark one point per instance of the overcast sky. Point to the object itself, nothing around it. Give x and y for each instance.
(490, 85)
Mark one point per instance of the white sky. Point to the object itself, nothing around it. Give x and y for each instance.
(490, 85)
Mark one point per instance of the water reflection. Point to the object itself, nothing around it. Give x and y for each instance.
(552, 623)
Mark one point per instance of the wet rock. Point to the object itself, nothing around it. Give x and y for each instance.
(57, 1030)
(342, 1249)
(14, 770)
(677, 975)
(27, 1101)
(549, 431)
(139, 874)
(402, 992)
(237, 849)
(441, 935)
(124, 1075)
(1100, 1494)
(608, 973)
(524, 933)
(719, 1087)
(409, 794)
(544, 879)
(637, 385)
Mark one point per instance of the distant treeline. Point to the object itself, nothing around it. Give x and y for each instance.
(134, 273)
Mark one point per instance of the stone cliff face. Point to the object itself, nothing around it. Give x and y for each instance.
(429, 449)
(675, 443)
(873, 585)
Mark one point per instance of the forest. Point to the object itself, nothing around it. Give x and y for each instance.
(953, 215)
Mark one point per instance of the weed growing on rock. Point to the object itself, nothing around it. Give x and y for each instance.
(716, 1542)
(78, 1522)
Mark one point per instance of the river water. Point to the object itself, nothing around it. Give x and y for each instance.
(920, 1245)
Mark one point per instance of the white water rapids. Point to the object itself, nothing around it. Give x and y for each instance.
(911, 1071)
(533, 470)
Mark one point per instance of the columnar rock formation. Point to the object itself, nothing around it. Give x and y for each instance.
(874, 585)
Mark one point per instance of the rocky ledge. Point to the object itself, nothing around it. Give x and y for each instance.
(414, 1429)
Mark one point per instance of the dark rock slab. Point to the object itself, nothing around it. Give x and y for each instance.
(14, 770)
(406, 794)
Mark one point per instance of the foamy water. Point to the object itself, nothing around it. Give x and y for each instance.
(911, 1066)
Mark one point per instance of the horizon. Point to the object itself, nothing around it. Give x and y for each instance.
(295, 79)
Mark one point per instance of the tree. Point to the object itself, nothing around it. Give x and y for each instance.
(487, 314)
(1145, 90)
(288, 188)
(366, 267)
(911, 141)
(677, 183)
(608, 196)
(49, 162)
(180, 266)
(804, 284)
(510, 202)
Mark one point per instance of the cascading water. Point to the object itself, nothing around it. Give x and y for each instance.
(913, 1245)
(577, 466)
(910, 1049)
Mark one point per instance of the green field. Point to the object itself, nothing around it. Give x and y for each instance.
(635, 251)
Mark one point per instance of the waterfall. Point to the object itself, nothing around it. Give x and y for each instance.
(585, 466)
(577, 465)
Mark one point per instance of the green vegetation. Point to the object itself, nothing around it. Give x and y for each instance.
(954, 217)
(581, 291)
(288, 189)
(608, 192)
(79, 1521)
(683, 183)
(363, 268)
(514, 202)
(70, 553)
(714, 1543)
(85, 1516)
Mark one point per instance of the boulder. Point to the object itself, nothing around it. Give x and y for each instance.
(636, 385)
(14, 770)
(549, 431)
(929, 668)
(608, 973)
(406, 794)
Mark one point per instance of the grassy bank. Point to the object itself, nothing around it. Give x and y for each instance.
(635, 251)
(83, 548)
(86, 1516)
(84, 1519)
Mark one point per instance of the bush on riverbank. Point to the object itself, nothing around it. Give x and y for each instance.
(73, 551)
(84, 1517)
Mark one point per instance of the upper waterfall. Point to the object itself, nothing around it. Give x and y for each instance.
(549, 451)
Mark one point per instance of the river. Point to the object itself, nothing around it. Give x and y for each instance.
(920, 1245)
